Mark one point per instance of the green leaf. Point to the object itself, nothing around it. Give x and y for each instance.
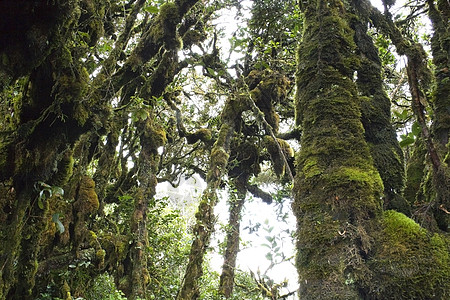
(44, 185)
(59, 225)
(269, 256)
(406, 140)
(269, 238)
(58, 191)
(41, 203)
(416, 129)
(151, 9)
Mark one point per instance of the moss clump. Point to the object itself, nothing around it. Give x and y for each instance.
(275, 155)
(219, 157)
(65, 290)
(203, 134)
(100, 257)
(154, 135)
(407, 261)
(164, 29)
(244, 160)
(65, 170)
(267, 88)
(87, 200)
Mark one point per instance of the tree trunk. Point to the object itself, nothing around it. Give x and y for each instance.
(151, 138)
(343, 233)
(440, 47)
(337, 189)
(236, 202)
(376, 118)
(205, 214)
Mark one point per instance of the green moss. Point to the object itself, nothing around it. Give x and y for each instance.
(65, 290)
(219, 157)
(154, 135)
(65, 170)
(202, 134)
(244, 159)
(415, 173)
(164, 29)
(408, 262)
(337, 189)
(376, 119)
(100, 256)
(277, 160)
(87, 200)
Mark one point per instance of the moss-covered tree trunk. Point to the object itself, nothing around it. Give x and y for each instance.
(376, 118)
(419, 80)
(151, 138)
(439, 14)
(205, 215)
(337, 189)
(348, 248)
(236, 202)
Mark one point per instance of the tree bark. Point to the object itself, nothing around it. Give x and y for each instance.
(205, 214)
(376, 118)
(236, 202)
(337, 189)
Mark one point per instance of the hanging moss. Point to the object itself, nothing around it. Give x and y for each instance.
(407, 261)
(202, 134)
(164, 29)
(153, 135)
(244, 160)
(268, 88)
(278, 161)
(87, 200)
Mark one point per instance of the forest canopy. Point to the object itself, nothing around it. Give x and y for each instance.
(335, 111)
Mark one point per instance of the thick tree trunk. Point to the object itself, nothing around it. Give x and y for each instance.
(419, 79)
(347, 247)
(337, 189)
(440, 47)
